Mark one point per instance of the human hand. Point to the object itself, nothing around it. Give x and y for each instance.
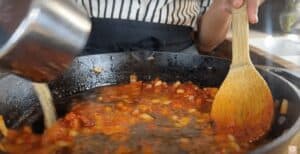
(215, 23)
(228, 5)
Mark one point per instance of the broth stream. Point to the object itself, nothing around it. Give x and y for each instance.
(46, 102)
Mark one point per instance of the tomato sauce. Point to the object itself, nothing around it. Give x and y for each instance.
(138, 117)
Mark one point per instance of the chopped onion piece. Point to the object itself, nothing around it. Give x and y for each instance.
(133, 78)
(146, 117)
(3, 127)
(97, 69)
(284, 106)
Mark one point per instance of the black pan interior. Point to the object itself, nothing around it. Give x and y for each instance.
(19, 105)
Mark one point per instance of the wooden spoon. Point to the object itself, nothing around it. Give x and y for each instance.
(243, 105)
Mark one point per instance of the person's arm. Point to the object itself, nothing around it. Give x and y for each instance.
(214, 24)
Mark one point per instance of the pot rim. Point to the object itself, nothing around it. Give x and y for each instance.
(290, 133)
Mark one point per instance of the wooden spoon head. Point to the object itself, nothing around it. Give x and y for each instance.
(243, 105)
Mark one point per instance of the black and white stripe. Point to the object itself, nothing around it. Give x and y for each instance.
(176, 12)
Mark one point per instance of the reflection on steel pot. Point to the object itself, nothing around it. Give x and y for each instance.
(40, 38)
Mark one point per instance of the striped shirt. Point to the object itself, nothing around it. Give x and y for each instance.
(174, 12)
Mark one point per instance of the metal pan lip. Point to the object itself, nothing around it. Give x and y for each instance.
(152, 53)
(263, 148)
(282, 138)
(271, 145)
(290, 133)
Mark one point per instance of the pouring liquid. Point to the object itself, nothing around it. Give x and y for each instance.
(46, 102)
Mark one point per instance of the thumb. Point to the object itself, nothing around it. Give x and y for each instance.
(253, 10)
(237, 3)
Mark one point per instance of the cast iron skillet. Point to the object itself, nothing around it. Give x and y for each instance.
(20, 106)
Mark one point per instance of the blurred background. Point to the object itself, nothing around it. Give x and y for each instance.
(275, 40)
(279, 17)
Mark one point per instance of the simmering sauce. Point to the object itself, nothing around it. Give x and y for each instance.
(139, 117)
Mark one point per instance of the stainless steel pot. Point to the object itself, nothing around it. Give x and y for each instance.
(40, 38)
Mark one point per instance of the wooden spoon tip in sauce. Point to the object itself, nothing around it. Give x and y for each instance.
(243, 106)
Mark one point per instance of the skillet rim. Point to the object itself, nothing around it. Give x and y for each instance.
(269, 146)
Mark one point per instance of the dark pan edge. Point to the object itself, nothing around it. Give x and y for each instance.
(288, 135)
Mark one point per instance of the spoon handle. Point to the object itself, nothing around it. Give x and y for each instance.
(240, 36)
